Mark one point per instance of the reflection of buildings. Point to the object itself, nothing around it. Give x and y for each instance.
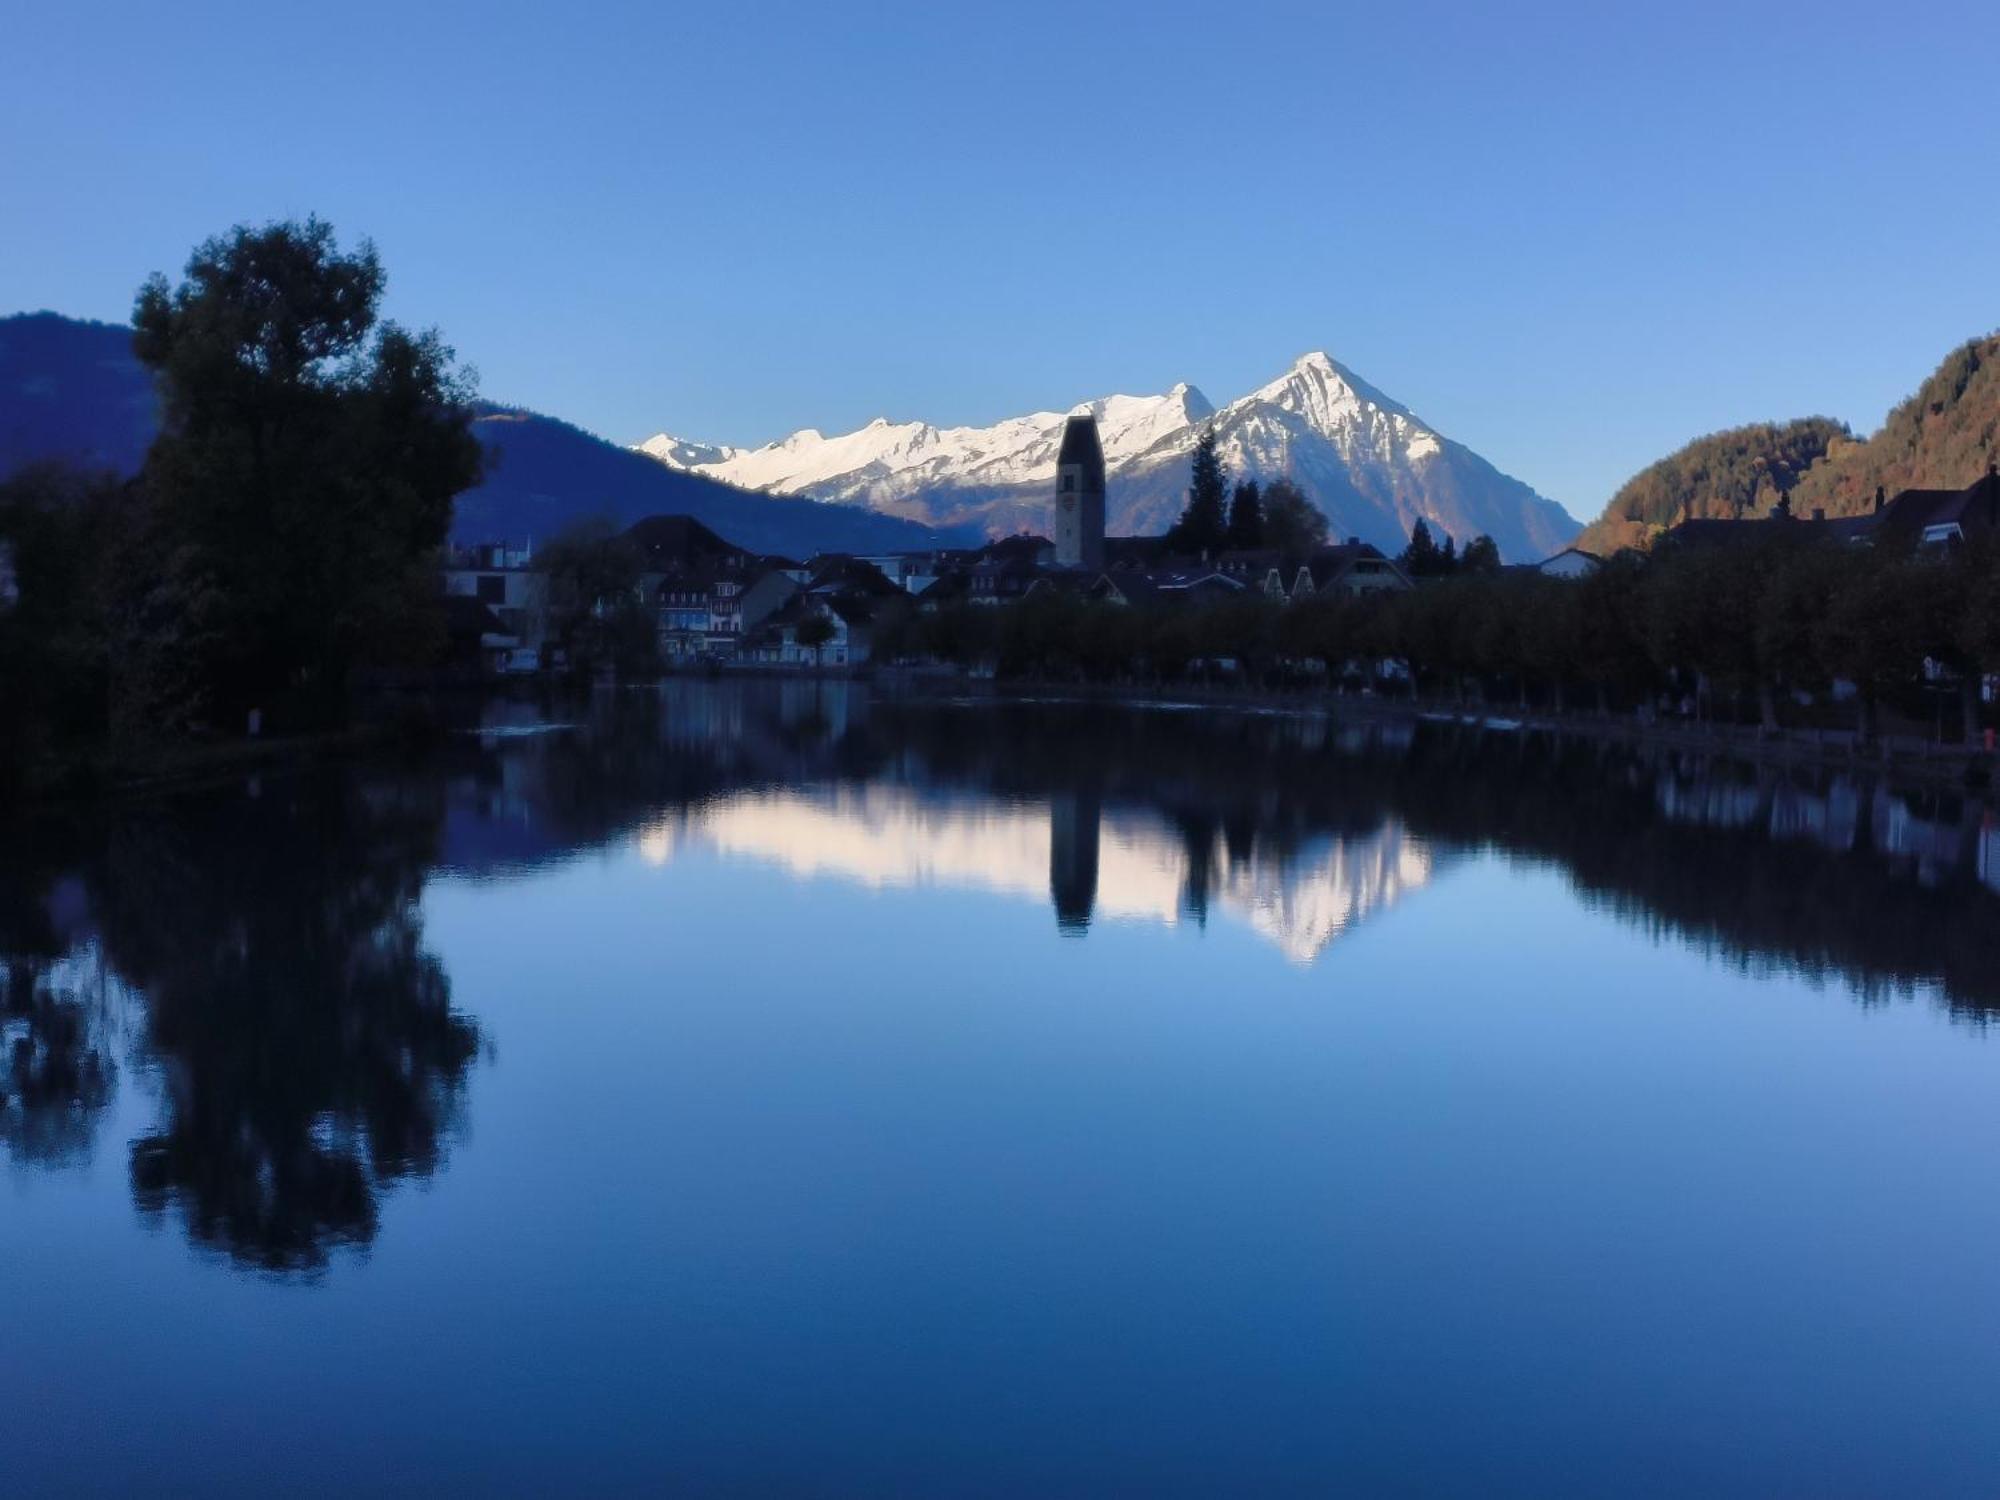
(1842, 816)
(1090, 863)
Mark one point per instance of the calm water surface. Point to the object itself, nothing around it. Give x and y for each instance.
(771, 1090)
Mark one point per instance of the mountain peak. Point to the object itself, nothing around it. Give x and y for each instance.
(1326, 393)
(1365, 459)
(1192, 401)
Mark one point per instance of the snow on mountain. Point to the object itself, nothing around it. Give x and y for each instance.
(1369, 463)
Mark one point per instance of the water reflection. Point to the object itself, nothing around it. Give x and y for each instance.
(252, 961)
(266, 945)
(1086, 860)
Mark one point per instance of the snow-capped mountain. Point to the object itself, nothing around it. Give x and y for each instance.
(1370, 463)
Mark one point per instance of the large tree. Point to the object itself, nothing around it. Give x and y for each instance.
(301, 483)
(1292, 523)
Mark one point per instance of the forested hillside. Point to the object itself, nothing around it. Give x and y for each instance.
(1942, 438)
(1742, 472)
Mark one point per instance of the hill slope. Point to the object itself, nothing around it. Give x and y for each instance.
(543, 473)
(1725, 475)
(1943, 437)
(73, 392)
(1370, 463)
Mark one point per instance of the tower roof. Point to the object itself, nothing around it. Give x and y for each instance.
(1080, 445)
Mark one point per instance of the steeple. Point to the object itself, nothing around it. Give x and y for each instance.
(1080, 496)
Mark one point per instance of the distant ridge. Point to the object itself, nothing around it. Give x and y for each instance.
(73, 392)
(544, 473)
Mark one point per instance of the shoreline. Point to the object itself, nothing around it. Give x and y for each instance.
(1965, 767)
(101, 777)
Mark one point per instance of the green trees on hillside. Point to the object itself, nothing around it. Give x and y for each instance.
(1943, 437)
(1750, 470)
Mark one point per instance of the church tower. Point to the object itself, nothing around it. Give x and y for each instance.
(1080, 496)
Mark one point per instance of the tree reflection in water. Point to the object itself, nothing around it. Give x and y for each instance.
(303, 1041)
(258, 954)
(57, 1073)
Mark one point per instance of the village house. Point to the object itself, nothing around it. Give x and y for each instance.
(501, 578)
(1353, 568)
(1571, 562)
(1913, 518)
(851, 622)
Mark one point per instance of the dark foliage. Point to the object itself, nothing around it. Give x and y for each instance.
(1756, 632)
(1203, 528)
(300, 486)
(1292, 523)
(1246, 516)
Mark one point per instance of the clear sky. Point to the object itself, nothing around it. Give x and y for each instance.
(1571, 236)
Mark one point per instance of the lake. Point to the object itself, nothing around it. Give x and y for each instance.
(778, 1089)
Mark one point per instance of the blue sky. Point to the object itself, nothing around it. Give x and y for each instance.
(1571, 236)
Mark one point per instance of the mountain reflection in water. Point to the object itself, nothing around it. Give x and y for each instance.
(1086, 860)
(252, 961)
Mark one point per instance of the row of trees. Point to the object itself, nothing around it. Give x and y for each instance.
(1756, 632)
(1249, 518)
(284, 527)
(1278, 517)
(1426, 557)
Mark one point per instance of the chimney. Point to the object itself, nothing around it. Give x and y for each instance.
(1819, 512)
(1878, 499)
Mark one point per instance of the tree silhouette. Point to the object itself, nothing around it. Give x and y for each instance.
(1246, 517)
(1204, 526)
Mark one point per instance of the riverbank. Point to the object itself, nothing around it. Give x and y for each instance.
(1966, 767)
(103, 774)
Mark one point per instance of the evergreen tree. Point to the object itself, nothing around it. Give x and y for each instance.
(1246, 516)
(1204, 525)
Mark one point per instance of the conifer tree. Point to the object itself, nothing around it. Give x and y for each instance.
(1204, 525)
(1246, 516)
(1421, 558)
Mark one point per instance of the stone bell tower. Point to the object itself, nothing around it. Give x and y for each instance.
(1080, 496)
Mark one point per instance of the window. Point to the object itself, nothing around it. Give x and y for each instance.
(492, 589)
(1068, 483)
